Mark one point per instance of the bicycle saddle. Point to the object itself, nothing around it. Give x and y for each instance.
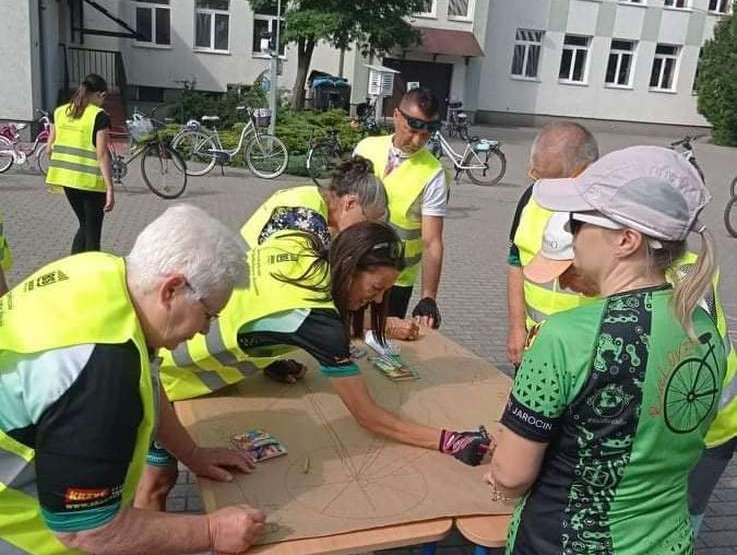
(455, 105)
(210, 118)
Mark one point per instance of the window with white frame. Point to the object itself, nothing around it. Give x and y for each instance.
(574, 59)
(428, 8)
(695, 86)
(719, 6)
(683, 4)
(264, 26)
(460, 8)
(526, 58)
(212, 25)
(663, 74)
(153, 22)
(619, 67)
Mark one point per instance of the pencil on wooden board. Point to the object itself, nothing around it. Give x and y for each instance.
(306, 467)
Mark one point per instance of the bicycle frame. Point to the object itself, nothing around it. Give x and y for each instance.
(456, 158)
(248, 129)
(20, 154)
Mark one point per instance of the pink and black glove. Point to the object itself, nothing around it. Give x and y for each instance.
(467, 447)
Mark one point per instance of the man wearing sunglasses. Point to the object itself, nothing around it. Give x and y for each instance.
(417, 192)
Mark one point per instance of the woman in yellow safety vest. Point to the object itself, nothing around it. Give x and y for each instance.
(80, 160)
(301, 296)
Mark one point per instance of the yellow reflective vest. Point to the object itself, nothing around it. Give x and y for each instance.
(73, 160)
(6, 255)
(541, 300)
(76, 300)
(308, 196)
(210, 362)
(724, 426)
(403, 187)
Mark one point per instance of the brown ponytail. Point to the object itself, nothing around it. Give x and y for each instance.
(91, 84)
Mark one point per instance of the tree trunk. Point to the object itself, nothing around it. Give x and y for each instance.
(304, 58)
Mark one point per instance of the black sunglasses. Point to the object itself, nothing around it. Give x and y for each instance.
(420, 124)
(573, 224)
(395, 249)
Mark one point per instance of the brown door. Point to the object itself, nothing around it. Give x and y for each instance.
(434, 76)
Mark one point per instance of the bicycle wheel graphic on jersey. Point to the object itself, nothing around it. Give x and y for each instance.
(690, 395)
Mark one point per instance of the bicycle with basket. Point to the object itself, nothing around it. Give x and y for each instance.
(163, 169)
(200, 144)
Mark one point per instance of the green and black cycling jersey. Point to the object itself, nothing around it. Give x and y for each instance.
(623, 398)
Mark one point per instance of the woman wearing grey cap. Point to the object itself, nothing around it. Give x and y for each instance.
(611, 404)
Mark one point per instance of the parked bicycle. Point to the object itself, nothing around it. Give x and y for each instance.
(15, 151)
(482, 159)
(456, 121)
(324, 156)
(163, 169)
(685, 148)
(730, 210)
(201, 147)
(366, 117)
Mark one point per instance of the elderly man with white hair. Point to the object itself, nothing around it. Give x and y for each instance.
(561, 149)
(79, 394)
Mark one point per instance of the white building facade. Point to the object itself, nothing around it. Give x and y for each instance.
(507, 60)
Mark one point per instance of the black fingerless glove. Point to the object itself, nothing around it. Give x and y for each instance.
(467, 447)
(428, 307)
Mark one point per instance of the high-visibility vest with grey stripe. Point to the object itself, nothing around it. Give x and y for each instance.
(78, 300)
(541, 300)
(207, 363)
(404, 185)
(73, 161)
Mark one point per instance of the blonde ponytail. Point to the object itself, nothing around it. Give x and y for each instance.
(689, 290)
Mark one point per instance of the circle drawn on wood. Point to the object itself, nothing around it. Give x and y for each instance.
(360, 483)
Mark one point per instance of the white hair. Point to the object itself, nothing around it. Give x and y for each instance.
(186, 240)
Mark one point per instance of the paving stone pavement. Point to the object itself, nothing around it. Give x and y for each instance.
(40, 227)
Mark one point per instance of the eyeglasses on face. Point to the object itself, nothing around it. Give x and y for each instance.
(209, 314)
(417, 124)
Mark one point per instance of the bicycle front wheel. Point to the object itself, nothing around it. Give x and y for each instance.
(42, 160)
(730, 216)
(733, 188)
(164, 171)
(198, 151)
(6, 154)
(321, 163)
(266, 156)
(487, 168)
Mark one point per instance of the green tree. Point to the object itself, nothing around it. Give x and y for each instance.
(717, 80)
(375, 26)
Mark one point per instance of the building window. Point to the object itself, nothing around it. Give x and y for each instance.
(573, 59)
(664, 67)
(149, 94)
(619, 67)
(153, 22)
(527, 48)
(428, 8)
(264, 26)
(212, 25)
(695, 86)
(460, 8)
(683, 4)
(719, 6)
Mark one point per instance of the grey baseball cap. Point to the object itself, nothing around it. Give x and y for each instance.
(648, 188)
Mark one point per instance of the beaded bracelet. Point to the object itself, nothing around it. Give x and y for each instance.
(496, 495)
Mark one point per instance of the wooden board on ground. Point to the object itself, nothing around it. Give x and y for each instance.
(337, 477)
